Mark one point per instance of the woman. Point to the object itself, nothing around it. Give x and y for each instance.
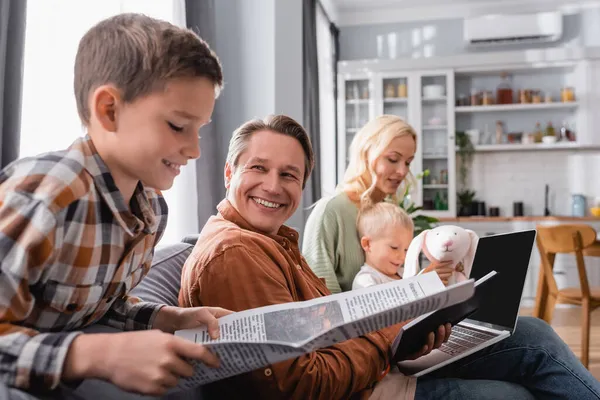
(380, 157)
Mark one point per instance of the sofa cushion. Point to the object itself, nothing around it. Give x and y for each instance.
(163, 281)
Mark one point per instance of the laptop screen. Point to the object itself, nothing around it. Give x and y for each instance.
(508, 255)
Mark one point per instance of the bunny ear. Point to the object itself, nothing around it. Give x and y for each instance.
(470, 257)
(411, 263)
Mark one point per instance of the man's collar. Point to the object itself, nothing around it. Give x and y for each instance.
(228, 211)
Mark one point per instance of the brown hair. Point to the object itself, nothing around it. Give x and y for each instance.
(138, 55)
(373, 219)
(275, 123)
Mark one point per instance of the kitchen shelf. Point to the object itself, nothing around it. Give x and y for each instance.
(436, 186)
(435, 127)
(516, 107)
(435, 157)
(393, 100)
(358, 101)
(434, 99)
(534, 147)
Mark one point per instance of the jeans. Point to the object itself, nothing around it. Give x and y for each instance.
(94, 389)
(532, 363)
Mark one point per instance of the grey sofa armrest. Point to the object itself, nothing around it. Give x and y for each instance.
(163, 282)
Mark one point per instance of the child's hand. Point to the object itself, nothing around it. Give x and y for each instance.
(147, 362)
(443, 268)
(170, 319)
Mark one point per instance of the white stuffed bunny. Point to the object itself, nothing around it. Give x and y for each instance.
(443, 243)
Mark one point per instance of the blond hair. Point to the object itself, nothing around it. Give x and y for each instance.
(373, 219)
(274, 123)
(138, 55)
(366, 147)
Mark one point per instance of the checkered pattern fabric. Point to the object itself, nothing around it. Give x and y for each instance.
(71, 249)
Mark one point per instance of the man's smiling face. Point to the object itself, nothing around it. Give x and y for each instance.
(265, 186)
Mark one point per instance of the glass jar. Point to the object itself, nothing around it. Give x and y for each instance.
(402, 90)
(444, 176)
(463, 100)
(567, 94)
(536, 97)
(487, 98)
(524, 96)
(475, 98)
(578, 205)
(390, 91)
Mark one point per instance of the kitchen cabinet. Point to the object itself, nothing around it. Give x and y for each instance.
(424, 99)
(396, 87)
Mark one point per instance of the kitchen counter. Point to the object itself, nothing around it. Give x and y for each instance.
(525, 218)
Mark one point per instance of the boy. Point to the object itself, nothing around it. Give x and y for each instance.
(385, 232)
(78, 227)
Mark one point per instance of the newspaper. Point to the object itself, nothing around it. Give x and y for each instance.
(258, 337)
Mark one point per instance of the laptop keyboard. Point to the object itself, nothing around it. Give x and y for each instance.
(463, 339)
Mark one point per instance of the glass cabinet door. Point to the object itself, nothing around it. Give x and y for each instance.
(436, 141)
(358, 100)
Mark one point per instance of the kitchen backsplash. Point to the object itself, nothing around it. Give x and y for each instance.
(501, 178)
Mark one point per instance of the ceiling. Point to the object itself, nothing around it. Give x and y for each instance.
(359, 12)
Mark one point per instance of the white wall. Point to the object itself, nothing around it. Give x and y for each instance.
(499, 179)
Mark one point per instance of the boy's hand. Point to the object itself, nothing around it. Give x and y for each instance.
(170, 319)
(443, 268)
(147, 362)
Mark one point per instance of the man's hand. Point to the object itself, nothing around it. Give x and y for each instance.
(147, 362)
(434, 341)
(170, 319)
(443, 268)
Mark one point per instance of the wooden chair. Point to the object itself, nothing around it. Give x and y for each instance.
(572, 239)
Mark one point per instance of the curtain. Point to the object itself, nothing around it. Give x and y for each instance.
(210, 189)
(326, 48)
(12, 39)
(310, 80)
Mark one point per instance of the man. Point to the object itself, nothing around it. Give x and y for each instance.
(246, 257)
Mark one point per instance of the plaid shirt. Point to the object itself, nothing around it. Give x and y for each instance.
(70, 251)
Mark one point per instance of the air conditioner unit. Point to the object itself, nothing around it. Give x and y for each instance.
(513, 28)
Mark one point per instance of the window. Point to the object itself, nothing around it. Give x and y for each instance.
(49, 114)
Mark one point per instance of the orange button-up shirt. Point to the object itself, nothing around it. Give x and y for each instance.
(235, 267)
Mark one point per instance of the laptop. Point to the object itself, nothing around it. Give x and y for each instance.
(496, 316)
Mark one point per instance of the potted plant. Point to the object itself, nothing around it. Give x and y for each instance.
(465, 152)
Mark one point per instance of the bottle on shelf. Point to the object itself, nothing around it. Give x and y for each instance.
(504, 91)
(499, 132)
(566, 134)
(437, 201)
(538, 134)
(550, 130)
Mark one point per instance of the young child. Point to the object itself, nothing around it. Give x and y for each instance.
(78, 227)
(385, 232)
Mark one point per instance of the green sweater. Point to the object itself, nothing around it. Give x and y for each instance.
(331, 244)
